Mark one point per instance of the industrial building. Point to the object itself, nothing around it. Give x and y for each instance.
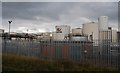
(94, 42)
(89, 32)
(97, 34)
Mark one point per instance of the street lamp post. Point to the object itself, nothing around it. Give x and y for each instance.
(9, 27)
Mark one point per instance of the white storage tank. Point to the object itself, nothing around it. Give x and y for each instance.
(77, 31)
(64, 29)
(103, 23)
(91, 29)
(78, 38)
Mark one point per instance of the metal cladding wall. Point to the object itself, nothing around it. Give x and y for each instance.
(80, 51)
(105, 38)
(58, 47)
(76, 50)
(65, 49)
(105, 35)
(73, 50)
(52, 51)
(45, 51)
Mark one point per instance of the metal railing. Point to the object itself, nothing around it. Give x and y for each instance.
(97, 53)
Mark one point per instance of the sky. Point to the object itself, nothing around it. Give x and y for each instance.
(60, 0)
(44, 16)
(0, 14)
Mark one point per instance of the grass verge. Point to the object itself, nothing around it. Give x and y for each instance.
(23, 63)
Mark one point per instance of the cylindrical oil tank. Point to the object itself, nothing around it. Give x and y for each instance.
(78, 38)
(77, 31)
(103, 23)
(64, 29)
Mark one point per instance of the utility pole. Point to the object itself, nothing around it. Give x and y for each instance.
(9, 27)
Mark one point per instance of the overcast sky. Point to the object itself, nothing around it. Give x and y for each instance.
(44, 16)
(60, 0)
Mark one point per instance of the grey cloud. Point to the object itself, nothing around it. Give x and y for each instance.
(26, 10)
(61, 12)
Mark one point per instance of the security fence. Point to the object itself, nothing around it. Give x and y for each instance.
(98, 53)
